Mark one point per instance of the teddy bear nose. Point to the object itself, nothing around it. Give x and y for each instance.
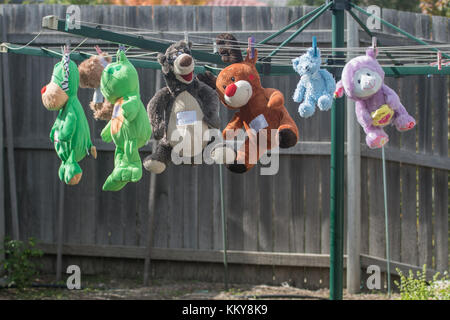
(43, 89)
(231, 90)
(186, 61)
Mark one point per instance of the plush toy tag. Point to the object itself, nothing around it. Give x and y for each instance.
(98, 96)
(103, 62)
(259, 123)
(186, 118)
(116, 110)
(56, 136)
(382, 116)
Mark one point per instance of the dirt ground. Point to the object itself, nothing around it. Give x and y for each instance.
(108, 289)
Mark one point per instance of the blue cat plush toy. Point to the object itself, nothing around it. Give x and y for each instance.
(316, 86)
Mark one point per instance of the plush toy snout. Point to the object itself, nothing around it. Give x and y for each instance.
(367, 82)
(53, 97)
(237, 94)
(184, 68)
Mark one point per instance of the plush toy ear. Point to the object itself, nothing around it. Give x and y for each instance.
(251, 60)
(162, 59)
(339, 90)
(121, 57)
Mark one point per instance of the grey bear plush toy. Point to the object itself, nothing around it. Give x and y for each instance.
(181, 112)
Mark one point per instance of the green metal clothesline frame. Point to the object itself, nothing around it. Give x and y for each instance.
(338, 8)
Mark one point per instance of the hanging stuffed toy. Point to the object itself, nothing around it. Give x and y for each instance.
(376, 105)
(181, 112)
(258, 111)
(129, 127)
(229, 51)
(90, 76)
(70, 132)
(316, 86)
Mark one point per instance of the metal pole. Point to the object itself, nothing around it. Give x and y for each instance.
(337, 165)
(2, 176)
(276, 34)
(224, 229)
(406, 34)
(303, 27)
(386, 225)
(151, 205)
(353, 179)
(60, 232)
(151, 219)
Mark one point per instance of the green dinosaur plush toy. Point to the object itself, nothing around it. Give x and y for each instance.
(70, 132)
(129, 126)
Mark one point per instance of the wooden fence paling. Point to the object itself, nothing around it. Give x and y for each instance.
(287, 213)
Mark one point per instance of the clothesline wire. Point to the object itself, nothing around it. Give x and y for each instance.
(181, 34)
(417, 53)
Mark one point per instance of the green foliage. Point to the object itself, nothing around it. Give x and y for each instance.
(18, 264)
(418, 288)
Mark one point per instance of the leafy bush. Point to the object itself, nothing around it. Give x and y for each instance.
(18, 265)
(418, 288)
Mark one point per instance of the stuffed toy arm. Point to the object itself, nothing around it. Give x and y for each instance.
(106, 133)
(130, 108)
(330, 84)
(211, 105)
(363, 116)
(230, 130)
(392, 98)
(156, 109)
(68, 128)
(299, 93)
(275, 97)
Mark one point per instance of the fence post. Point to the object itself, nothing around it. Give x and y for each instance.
(9, 136)
(2, 176)
(353, 178)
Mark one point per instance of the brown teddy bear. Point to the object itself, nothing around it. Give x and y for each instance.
(258, 111)
(90, 74)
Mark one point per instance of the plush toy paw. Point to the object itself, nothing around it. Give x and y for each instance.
(70, 173)
(324, 103)
(75, 180)
(306, 110)
(113, 185)
(223, 154)
(237, 167)
(376, 140)
(154, 166)
(287, 138)
(404, 123)
(94, 152)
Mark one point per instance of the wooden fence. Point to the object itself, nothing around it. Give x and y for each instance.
(278, 226)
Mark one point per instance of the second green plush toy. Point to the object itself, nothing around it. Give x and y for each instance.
(129, 127)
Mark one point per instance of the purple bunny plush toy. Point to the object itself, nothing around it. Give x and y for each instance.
(376, 105)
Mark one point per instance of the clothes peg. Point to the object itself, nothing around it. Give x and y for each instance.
(98, 50)
(374, 45)
(314, 44)
(439, 60)
(251, 46)
(66, 25)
